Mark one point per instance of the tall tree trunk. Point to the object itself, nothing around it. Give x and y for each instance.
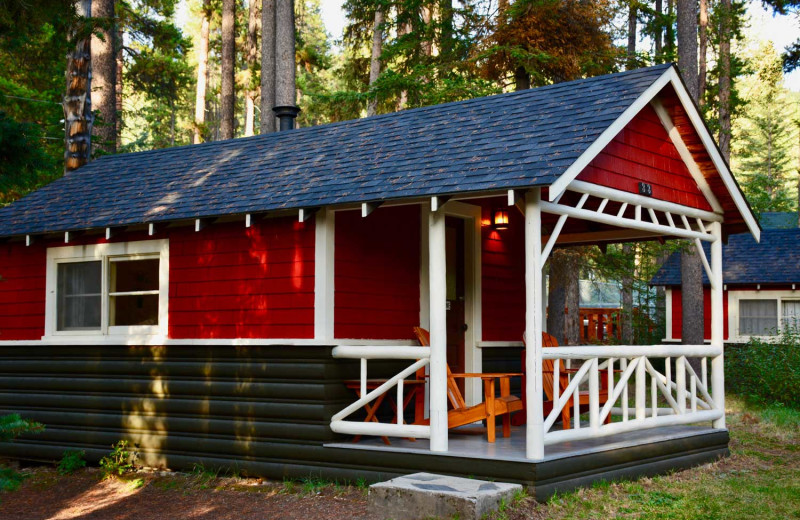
(669, 32)
(202, 75)
(375, 59)
(691, 267)
(78, 97)
(627, 298)
(427, 43)
(522, 79)
(227, 86)
(402, 99)
(687, 45)
(252, 59)
(118, 85)
(563, 297)
(632, 15)
(702, 31)
(104, 77)
(268, 122)
(284, 53)
(659, 31)
(725, 80)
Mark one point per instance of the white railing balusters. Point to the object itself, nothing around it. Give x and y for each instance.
(687, 402)
(398, 428)
(363, 376)
(680, 380)
(624, 365)
(556, 380)
(654, 396)
(594, 395)
(640, 388)
(704, 372)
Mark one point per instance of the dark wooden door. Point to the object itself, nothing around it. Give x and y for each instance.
(456, 292)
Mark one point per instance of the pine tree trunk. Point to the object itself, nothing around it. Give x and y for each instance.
(202, 75)
(252, 58)
(687, 45)
(284, 53)
(632, 14)
(402, 99)
(725, 80)
(227, 88)
(691, 268)
(563, 298)
(78, 98)
(104, 77)
(702, 31)
(659, 31)
(375, 59)
(118, 84)
(627, 299)
(669, 32)
(268, 122)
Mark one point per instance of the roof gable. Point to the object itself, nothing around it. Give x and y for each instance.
(644, 152)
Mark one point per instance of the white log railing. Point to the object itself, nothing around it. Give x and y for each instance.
(339, 424)
(679, 397)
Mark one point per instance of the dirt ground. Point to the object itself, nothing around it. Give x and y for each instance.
(156, 496)
(760, 480)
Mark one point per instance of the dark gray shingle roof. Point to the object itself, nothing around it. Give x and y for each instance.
(776, 260)
(511, 140)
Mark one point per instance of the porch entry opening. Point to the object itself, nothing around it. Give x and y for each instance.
(456, 296)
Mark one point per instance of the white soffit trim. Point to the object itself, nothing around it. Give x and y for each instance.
(713, 152)
(670, 76)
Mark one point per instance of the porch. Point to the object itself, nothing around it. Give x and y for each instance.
(629, 398)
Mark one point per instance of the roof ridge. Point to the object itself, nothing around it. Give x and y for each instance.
(390, 115)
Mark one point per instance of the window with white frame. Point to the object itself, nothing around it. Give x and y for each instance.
(108, 289)
(758, 317)
(766, 316)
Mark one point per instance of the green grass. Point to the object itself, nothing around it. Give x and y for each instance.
(760, 480)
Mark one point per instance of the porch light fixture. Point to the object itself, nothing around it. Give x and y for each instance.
(499, 219)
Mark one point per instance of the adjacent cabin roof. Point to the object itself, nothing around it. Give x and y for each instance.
(776, 260)
(778, 220)
(514, 140)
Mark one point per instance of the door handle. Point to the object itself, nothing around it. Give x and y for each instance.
(465, 327)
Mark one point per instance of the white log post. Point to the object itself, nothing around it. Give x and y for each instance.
(717, 330)
(534, 310)
(438, 328)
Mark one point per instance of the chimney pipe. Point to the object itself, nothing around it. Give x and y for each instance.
(286, 115)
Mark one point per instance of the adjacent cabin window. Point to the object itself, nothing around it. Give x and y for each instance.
(758, 317)
(108, 289)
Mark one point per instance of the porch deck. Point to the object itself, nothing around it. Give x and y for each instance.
(566, 465)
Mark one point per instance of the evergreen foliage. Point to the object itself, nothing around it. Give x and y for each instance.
(765, 137)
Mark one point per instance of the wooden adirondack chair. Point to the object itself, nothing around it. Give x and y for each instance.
(491, 407)
(548, 369)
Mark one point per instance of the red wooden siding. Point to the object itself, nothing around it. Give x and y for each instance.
(376, 273)
(22, 291)
(228, 281)
(503, 275)
(643, 151)
(677, 316)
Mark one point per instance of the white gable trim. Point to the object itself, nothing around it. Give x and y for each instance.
(670, 76)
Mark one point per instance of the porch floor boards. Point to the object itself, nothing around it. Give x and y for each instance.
(470, 442)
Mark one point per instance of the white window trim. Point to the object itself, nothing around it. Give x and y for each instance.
(103, 253)
(733, 310)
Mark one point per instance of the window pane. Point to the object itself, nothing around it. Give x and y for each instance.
(791, 314)
(134, 275)
(758, 317)
(134, 310)
(78, 290)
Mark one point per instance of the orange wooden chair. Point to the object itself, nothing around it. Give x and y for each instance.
(548, 369)
(492, 405)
